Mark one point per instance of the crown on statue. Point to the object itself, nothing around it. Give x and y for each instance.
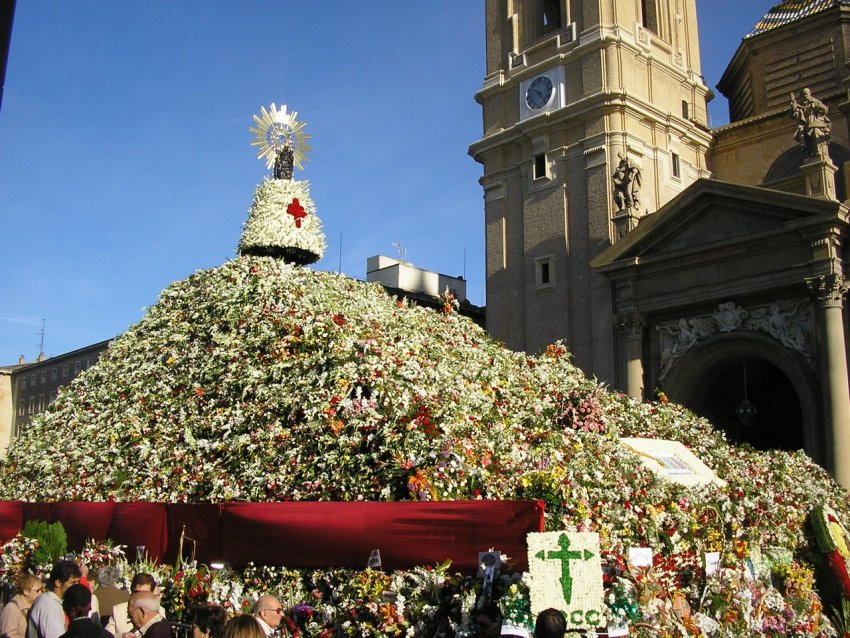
(281, 140)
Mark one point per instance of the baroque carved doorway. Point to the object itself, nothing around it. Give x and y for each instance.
(754, 390)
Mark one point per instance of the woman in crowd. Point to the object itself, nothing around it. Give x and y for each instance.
(13, 619)
(208, 621)
(243, 626)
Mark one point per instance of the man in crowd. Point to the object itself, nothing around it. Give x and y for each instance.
(119, 624)
(47, 619)
(77, 605)
(550, 624)
(269, 613)
(143, 609)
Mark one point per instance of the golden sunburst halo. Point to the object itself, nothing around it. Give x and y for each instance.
(277, 129)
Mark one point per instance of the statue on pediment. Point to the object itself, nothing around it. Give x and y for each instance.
(813, 123)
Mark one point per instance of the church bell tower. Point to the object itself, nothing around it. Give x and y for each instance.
(594, 117)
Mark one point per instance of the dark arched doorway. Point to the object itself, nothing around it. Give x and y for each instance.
(772, 419)
(710, 381)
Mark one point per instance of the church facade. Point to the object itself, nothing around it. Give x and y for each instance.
(707, 264)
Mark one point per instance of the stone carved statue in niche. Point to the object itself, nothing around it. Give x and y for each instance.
(627, 182)
(813, 123)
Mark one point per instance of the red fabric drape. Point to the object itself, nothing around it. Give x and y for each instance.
(135, 524)
(83, 520)
(406, 533)
(11, 519)
(202, 523)
(313, 534)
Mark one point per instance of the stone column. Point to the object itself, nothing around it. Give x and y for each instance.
(828, 293)
(632, 326)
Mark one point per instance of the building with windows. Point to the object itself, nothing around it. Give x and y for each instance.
(26, 389)
(706, 263)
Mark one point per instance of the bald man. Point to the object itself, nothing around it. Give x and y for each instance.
(144, 613)
(269, 613)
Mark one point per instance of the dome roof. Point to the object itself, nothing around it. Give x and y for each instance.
(789, 11)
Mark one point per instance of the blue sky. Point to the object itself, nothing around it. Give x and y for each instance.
(125, 157)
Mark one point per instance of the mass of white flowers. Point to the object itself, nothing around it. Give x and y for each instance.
(261, 380)
(271, 230)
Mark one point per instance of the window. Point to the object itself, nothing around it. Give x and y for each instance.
(686, 114)
(22, 407)
(551, 15)
(65, 371)
(44, 376)
(54, 374)
(677, 169)
(24, 383)
(40, 402)
(544, 272)
(53, 395)
(32, 405)
(89, 362)
(76, 367)
(32, 381)
(540, 166)
(649, 15)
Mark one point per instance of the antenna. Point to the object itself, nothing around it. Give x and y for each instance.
(464, 262)
(41, 341)
(339, 266)
(402, 251)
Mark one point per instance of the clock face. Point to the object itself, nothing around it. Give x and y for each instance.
(539, 93)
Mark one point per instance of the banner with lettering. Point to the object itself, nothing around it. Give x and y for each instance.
(566, 574)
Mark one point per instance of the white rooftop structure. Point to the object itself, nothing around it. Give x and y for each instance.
(395, 273)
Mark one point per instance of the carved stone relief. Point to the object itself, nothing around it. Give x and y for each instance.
(789, 322)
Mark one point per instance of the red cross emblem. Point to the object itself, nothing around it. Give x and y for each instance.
(297, 211)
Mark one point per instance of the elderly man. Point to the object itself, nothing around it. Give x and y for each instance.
(77, 605)
(269, 613)
(143, 609)
(47, 619)
(119, 622)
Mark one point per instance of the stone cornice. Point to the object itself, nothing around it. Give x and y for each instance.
(522, 131)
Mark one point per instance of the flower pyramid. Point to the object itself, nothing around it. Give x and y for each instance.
(262, 380)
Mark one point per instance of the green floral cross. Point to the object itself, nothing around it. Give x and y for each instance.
(565, 556)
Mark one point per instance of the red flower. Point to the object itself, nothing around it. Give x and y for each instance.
(297, 211)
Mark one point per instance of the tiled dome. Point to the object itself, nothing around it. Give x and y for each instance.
(790, 10)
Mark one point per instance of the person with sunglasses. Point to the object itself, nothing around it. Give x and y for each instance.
(269, 613)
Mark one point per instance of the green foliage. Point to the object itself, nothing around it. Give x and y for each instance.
(52, 541)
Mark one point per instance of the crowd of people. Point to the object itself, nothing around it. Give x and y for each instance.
(68, 606)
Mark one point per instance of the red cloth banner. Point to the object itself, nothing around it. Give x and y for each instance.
(303, 534)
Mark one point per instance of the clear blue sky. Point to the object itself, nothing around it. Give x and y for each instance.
(125, 157)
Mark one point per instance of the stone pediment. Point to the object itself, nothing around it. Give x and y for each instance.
(711, 213)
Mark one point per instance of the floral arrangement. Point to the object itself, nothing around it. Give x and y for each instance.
(832, 540)
(262, 381)
(16, 556)
(283, 222)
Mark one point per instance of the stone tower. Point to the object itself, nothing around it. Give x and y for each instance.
(574, 91)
